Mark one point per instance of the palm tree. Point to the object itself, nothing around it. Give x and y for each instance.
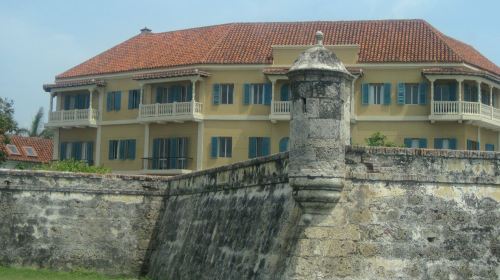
(36, 126)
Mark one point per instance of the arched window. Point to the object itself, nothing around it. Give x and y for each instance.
(284, 144)
(285, 92)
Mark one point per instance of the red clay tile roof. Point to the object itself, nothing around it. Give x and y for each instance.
(380, 41)
(77, 83)
(171, 74)
(43, 148)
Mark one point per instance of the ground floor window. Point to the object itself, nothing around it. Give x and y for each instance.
(170, 153)
(258, 147)
(445, 143)
(472, 145)
(77, 150)
(415, 143)
(121, 149)
(489, 147)
(284, 144)
(221, 147)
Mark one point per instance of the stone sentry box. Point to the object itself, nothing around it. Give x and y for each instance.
(319, 128)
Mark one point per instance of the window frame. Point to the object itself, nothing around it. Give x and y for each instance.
(226, 94)
(257, 94)
(413, 93)
(12, 152)
(373, 93)
(134, 99)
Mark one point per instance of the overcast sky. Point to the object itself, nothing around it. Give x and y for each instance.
(40, 39)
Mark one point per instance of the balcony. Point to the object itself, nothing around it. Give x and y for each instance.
(280, 111)
(73, 118)
(481, 114)
(175, 112)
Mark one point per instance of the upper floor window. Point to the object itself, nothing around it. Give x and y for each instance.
(445, 92)
(76, 101)
(285, 92)
(485, 97)
(222, 147)
(445, 143)
(222, 94)
(121, 149)
(174, 93)
(376, 94)
(113, 101)
(415, 142)
(258, 146)
(134, 98)
(412, 93)
(257, 94)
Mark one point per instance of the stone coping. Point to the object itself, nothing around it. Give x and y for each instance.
(423, 152)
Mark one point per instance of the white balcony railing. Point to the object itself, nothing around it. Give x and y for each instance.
(465, 109)
(280, 107)
(73, 117)
(165, 110)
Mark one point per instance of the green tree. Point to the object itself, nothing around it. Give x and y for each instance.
(7, 123)
(377, 139)
(36, 129)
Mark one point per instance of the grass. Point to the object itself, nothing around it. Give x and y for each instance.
(14, 273)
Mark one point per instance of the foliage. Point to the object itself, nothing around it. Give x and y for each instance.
(377, 139)
(36, 129)
(14, 273)
(7, 122)
(72, 165)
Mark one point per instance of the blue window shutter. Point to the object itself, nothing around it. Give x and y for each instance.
(453, 92)
(77, 150)
(452, 143)
(130, 99)
(172, 153)
(387, 93)
(252, 147)
(401, 93)
(62, 151)
(215, 145)
(156, 153)
(438, 143)
(67, 101)
(489, 147)
(284, 144)
(422, 93)
(364, 94)
(422, 143)
(266, 146)
(121, 149)
(268, 88)
(189, 92)
(110, 149)
(246, 94)
(90, 152)
(285, 89)
(407, 142)
(108, 101)
(132, 149)
(118, 100)
(77, 101)
(469, 145)
(216, 94)
(159, 92)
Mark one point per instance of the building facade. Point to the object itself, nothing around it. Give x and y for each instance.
(170, 103)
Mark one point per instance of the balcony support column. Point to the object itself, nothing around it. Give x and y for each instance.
(273, 84)
(193, 96)
(432, 96)
(199, 144)
(491, 100)
(51, 103)
(460, 82)
(97, 156)
(145, 152)
(352, 104)
(479, 95)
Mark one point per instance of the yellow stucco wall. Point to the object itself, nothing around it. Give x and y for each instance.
(122, 132)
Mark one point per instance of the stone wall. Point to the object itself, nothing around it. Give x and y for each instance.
(406, 214)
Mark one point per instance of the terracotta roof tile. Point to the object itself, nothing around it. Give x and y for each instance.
(380, 41)
(284, 70)
(43, 148)
(77, 83)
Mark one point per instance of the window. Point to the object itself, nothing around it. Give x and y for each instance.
(285, 92)
(174, 93)
(77, 150)
(222, 94)
(134, 98)
(30, 151)
(489, 147)
(472, 145)
(121, 149)
(376, 94)
(257, 94)
(12, 149)
(222, 147)
(76, 101)
(258, 147)
(113, 101)
(284, 144)
(470, 93)
(170, 153)
(445, 143)
(412, 93)
(415, 142)
(485, 97)
(445, 92)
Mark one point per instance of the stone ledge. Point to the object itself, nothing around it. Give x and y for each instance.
(423, 152)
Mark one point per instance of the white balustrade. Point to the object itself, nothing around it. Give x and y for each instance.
(280, 107)
(76, 115)
(169, 109)
(465, 108)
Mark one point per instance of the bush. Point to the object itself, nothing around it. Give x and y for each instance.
(72, 165)
(377, 139)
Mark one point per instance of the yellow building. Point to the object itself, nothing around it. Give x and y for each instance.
(173, 102)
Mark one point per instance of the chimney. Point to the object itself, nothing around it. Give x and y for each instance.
(145, 30)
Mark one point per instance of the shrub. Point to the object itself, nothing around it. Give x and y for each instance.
(72, 165)
(377, 139)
